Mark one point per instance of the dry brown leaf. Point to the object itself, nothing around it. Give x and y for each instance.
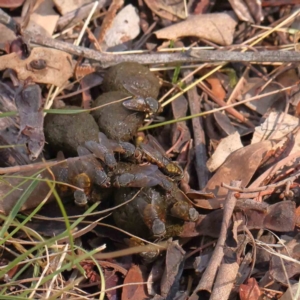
(278, 124)
(171, 10)
(6, 35)
(11, 3)
(252, 87)
(224, 149)
(216, 86)
(248, 10)
(297, 213)
(65, 6)
(291, 293)
(240, 165)
(202, 7)
(9, 198)
(281, 268)
(250, 290)
(45, 17)
(131, 292)
(208, 203)
(241, 9)
(109, 18)
(218, 28)
(281, 216)
(223, 123)
(180, 131)
(125, 27)
(29, 104)
(277, 217)
(173, 270)
(57, 71)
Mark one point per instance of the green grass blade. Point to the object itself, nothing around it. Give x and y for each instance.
(16, 209)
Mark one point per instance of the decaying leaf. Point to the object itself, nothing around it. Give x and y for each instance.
(74, 16)
(201, 262)
(131, 292)
(281, 216)
(111, 280)
(224, 123)
(250, 290)
(65, 6)
(224, 149)
(173, 270)
(278, 124)
(247, 10)
(108, 21)
(170, 10)
(9, 197)
(278, 217)
(56, 68)
(240, 165)
(29, 104)
(9, 129)
(218, 28)
(262, 256)
(250, 89)
(180, 131)
(6, 36)
(125, 27)
(155, 276)
(285, 264)
(291, 293)
(45, 17)
(11, 3)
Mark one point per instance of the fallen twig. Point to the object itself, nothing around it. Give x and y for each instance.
(199, 135)
(208, 277)
(262, 188)
(106, 59)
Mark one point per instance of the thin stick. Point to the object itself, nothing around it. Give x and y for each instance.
(208, 277)
(263, 188)
(216, 109)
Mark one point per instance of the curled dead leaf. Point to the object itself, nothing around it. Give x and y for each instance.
(134, 291)
(240, 165)
(250, 290)
(218, 28)
(58, 66)
(284, 265)
(170, 10)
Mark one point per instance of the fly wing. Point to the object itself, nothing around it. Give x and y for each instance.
(82, 151)
(136, 104)
(88, 163)
(102, 150)
(146, 169)
(72, 170)
(138, 180)
(155, 145)
(105, 142)
(97, 149)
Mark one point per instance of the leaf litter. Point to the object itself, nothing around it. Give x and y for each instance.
(214, 195)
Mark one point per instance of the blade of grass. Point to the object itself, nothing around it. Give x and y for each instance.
(67, 266)
(5, 269)
(16, 209)
(27, 219)
(12, 146)
(27, 178)
(65, 215)
(214, 110)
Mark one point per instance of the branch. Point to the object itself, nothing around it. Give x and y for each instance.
(191, 56)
